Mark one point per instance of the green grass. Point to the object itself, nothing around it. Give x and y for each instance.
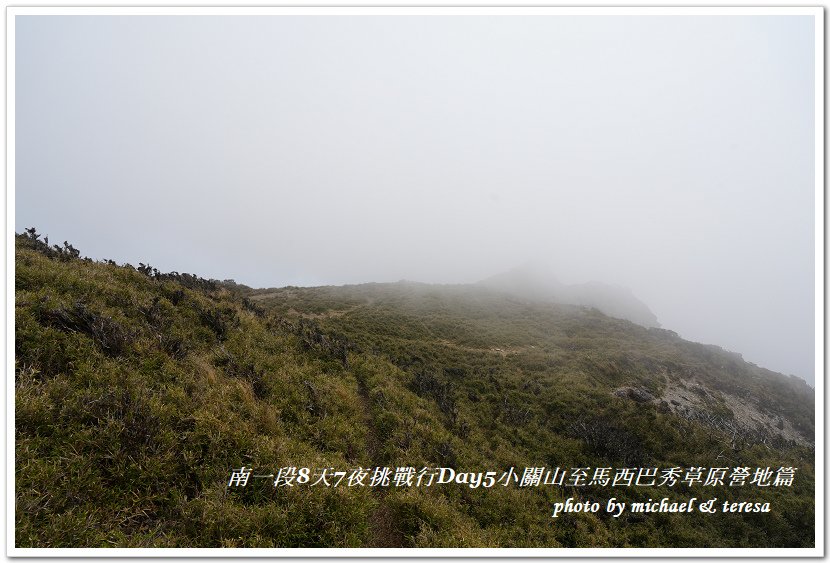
(136, 393)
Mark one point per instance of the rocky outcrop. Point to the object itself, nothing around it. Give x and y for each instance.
(738, 418)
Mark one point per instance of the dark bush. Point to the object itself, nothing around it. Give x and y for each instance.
(218, 320)
(332, 346)
(427, 384)
(252, 307)
(245, 370)
(110, 337)
(608, 440)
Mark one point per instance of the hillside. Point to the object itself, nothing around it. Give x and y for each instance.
(138, 392)
(537, 284)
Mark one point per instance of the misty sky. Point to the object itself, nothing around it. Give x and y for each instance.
(672, 155)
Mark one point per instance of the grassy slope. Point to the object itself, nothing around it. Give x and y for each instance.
(136, 395)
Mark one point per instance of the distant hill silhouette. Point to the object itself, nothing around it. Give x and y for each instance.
(536, 284)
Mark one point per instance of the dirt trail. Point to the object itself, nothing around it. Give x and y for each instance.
(382, 529)
(502, 350)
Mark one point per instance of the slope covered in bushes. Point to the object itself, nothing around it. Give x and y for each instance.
(137, 393)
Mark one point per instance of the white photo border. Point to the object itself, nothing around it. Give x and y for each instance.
(817, 12)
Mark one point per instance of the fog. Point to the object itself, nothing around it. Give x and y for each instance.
(670, 155)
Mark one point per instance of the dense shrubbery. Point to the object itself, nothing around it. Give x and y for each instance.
(137, 392)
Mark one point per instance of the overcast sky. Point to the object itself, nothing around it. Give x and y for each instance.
(671, 155)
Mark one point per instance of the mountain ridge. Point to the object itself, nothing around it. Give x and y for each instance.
(537, 284)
